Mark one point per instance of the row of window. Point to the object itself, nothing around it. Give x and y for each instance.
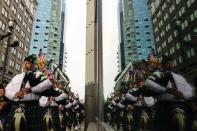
(183, 26)
(4, 12)
(12, 64)
(19, 55)
(172, 49)
(2, 25)
(21, 44)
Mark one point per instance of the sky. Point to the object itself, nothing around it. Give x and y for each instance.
(75, 39)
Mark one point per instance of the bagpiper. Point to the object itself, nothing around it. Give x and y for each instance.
(171, 91)
(23, 92)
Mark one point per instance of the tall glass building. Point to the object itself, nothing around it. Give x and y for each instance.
(143, 28)
(137, 30)
(130, 44)
(62, 44)
(121, 55)
(46, 31)
(41, 27)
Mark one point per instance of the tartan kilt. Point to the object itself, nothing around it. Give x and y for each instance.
(137, 112)
(33, 114)
(163, 120)
(55, 117)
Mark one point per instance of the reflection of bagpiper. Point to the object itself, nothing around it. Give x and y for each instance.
(171, 90)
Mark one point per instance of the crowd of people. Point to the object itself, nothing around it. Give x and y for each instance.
(154, 98)
(35, 100)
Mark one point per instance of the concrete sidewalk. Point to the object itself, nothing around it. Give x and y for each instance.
(92, 127)
(101, 126)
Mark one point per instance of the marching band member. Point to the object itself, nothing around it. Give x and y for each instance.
(171, 91)
(4, 108)
(23, 93)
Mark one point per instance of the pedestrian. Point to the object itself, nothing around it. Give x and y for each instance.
(4, 108)
(23, 92)
(171, 91)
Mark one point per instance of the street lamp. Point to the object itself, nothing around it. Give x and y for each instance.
(11, 24)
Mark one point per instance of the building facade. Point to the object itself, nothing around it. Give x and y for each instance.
(130, 43)
(41, 26)
(138, 39)
(143, 28)
(175, 29)
(62, 56)
(121, 56)
(47, 29)
(94, 64)
(53, 47)
(22, 11)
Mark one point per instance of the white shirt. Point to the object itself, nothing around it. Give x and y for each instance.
(44, 102)
(15, 85)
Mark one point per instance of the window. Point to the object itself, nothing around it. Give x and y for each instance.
(146, 19)
(178, 46)
(192, 52)
(8, 2)
(175, 62)
(21, 44)
(26, 14)
(195, 13)
(3, 57)
(19, 56)
(182, 11)
(24, 24)
(19, 17)
(164, 44)
(30, 20)
(178, 1)
(11, 64)
(26, 49)
(4, 12)
(18, 67)
(14, 51)
(15, 38)
(27, 39)
(180, 59)
(2, 25)
(172, 50)
(21, 7)
(18, 28)
(190, 2)
(28, 30)
(187, 37)
(13, 9)
(23, 34)
(175, 33)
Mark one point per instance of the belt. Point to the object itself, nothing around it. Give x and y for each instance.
(25, 103)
